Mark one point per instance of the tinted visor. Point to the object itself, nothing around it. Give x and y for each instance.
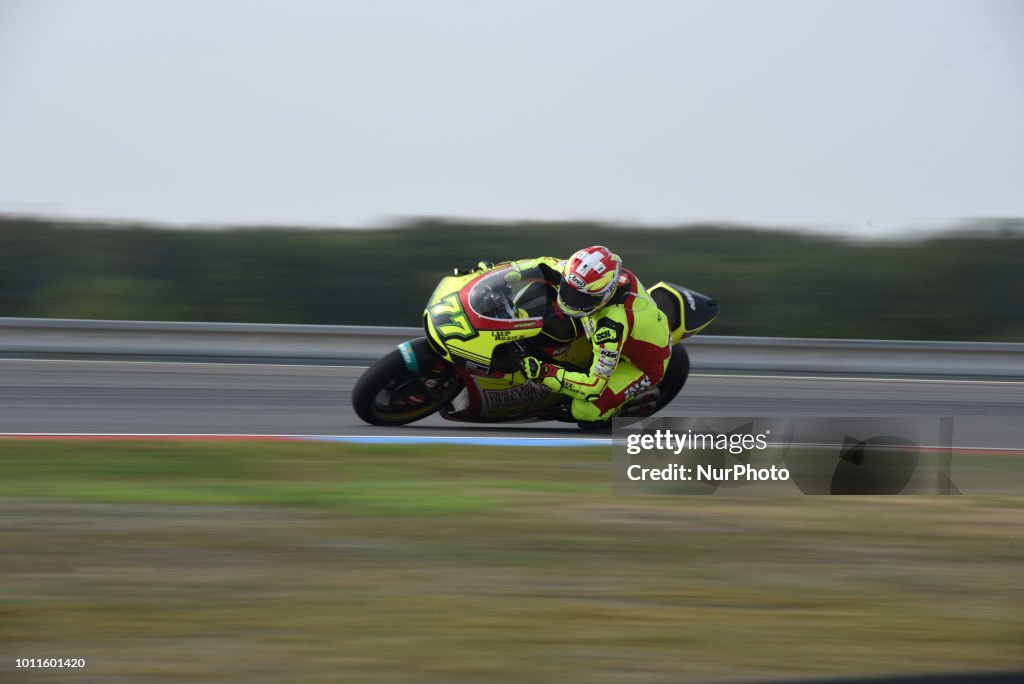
(573, 301)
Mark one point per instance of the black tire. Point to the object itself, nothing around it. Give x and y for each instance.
(675, 376)
(383, 392)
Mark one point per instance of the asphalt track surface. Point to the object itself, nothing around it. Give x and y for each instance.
(158, 397)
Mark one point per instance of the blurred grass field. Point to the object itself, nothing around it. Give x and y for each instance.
(311, 562)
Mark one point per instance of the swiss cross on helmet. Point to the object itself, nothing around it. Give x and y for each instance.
(589, 279)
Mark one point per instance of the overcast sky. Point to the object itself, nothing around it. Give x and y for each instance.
(862, 115)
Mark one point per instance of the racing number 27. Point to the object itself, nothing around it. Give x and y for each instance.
(458, 324)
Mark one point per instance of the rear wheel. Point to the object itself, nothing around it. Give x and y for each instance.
(388, 393)
(675, 376)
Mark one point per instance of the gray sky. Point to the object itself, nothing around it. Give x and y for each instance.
(861, 115)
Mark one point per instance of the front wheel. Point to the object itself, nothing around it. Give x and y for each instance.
(388, 393)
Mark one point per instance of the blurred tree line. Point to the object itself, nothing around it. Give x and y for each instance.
(967, 285)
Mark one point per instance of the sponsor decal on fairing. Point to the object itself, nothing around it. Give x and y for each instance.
(514, 397)
(477, 369)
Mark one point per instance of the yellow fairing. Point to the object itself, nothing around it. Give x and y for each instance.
(513, 296)
(680, 329)
(448, 286)
(509, 394)
(683, 317)
(510, 296)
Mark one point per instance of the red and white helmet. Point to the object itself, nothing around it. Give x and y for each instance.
(589, 279)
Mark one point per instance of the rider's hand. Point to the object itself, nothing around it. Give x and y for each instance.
(539, 371)
(533, 368)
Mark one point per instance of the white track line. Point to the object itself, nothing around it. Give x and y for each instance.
(181, 363)
(848, 378)
(747, 376)
(472, 440)
(446, 438)
(241, 434)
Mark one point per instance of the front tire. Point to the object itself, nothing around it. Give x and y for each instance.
(388, 393)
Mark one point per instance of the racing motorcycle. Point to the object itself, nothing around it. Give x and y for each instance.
(479, 323)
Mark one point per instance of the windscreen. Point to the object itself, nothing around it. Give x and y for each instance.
(511, 293)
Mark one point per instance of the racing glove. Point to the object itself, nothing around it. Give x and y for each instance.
(546, 374)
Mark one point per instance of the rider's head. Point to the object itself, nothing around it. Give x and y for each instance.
(589, 279)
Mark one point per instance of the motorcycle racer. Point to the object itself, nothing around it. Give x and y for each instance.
(629, 333)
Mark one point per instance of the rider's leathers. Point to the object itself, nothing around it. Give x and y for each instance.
(631, 344)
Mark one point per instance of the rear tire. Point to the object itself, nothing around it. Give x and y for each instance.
(675, 376)
(388, 393)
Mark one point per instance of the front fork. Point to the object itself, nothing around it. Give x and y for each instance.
(438, 378)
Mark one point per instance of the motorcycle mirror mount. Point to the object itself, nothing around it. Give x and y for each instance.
(480, 266)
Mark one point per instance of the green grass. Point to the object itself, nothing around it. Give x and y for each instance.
(377, 480)
(282, 562)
